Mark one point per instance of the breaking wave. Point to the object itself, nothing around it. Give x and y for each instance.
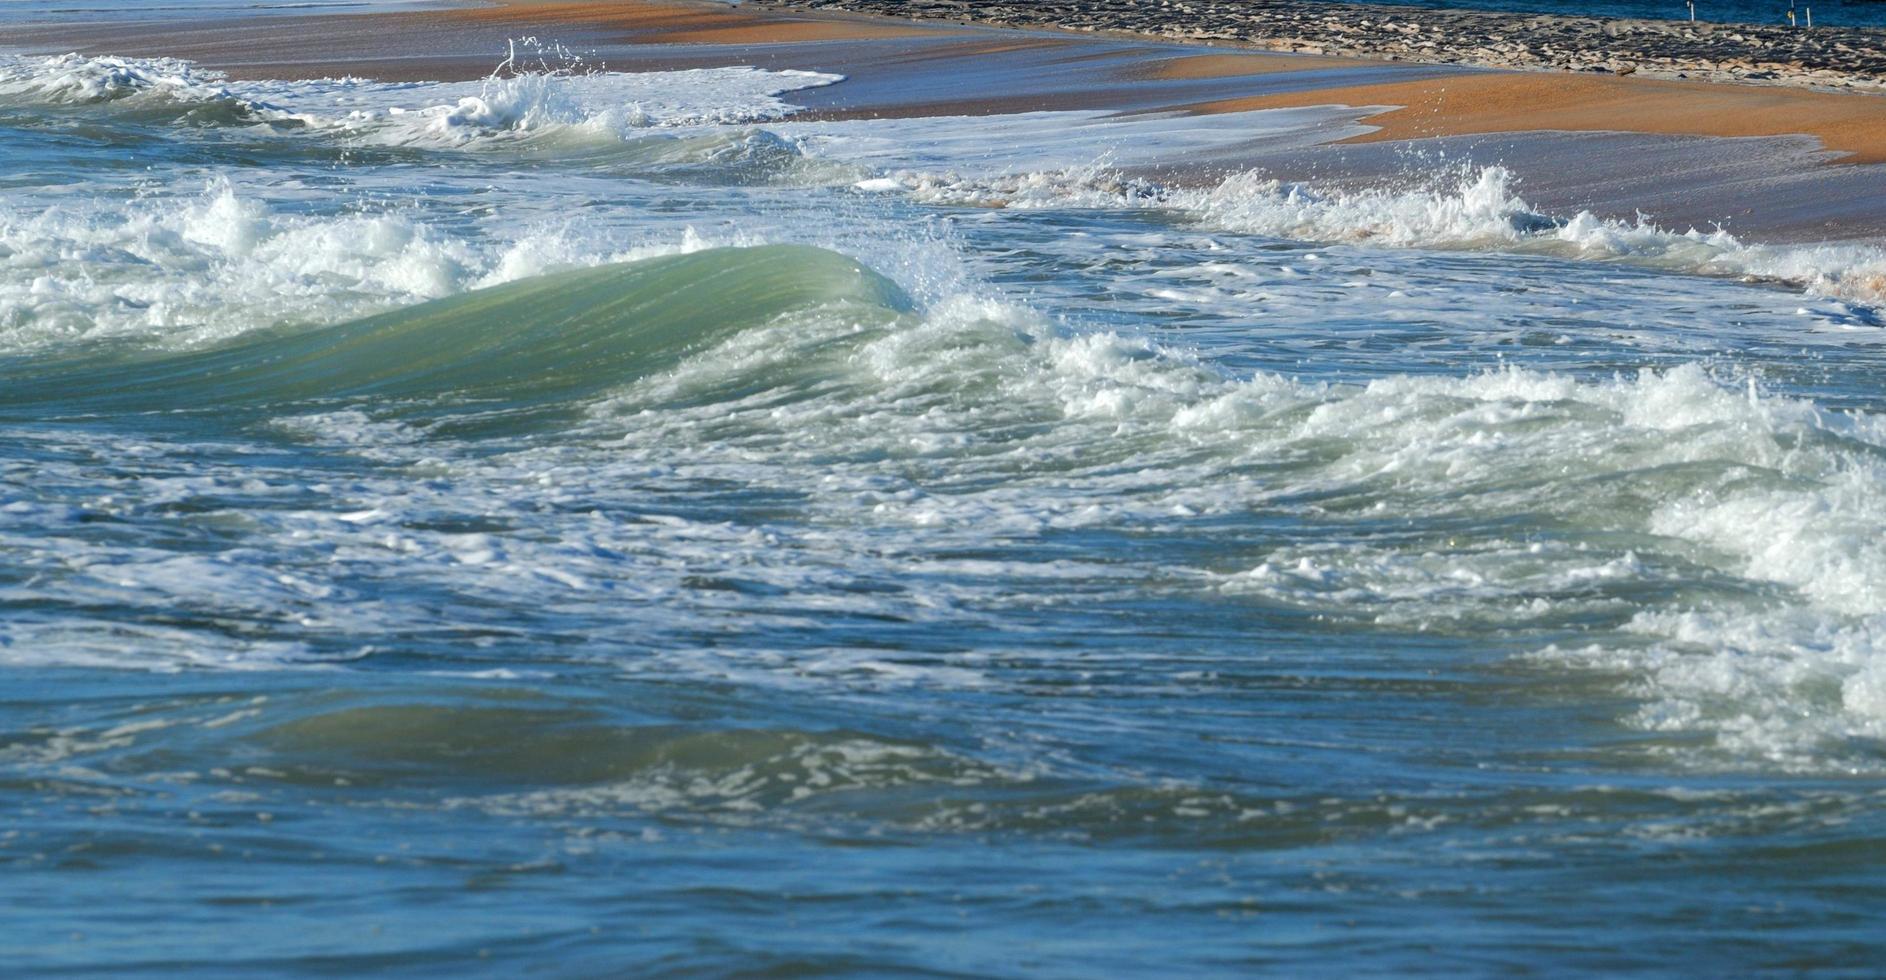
(1722, 545)
(1717, 545)
(547, 338)
(1482, 210)
(194, 270)
(546, 101)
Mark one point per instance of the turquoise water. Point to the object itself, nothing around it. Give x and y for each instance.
(591, 524)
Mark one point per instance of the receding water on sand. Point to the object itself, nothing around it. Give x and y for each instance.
(596, 522)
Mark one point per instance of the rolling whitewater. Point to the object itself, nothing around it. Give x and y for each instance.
(584, 521)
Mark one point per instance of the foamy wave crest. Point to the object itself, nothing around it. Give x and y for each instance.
(1481, 210)
(1484, 210)
(547, 99)
(158, 83)
(193, 270)
(1746, 561)
(599, 104)
(1723, 547)
(75, 78)
(1782, 686)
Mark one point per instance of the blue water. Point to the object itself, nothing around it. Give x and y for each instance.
(597, 524)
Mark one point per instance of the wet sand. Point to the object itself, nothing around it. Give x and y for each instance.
(1852, 126)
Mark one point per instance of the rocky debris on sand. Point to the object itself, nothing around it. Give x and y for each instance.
(1820, 57)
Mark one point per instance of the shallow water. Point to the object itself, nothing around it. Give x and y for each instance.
(591, 522)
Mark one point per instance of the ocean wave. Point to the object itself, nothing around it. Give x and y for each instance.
(1720, 545)
(188, 271)
(1484, 210)
(1673, 493)
(548, 338)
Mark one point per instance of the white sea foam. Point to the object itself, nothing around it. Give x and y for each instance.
(159, 261)
(1649, 495)
(196, 269)
(1729, 537)
(1484, 210)
(1480, 210)
(547, 100)
(74, 78)
(611, 103)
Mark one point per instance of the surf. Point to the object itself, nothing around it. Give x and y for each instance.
(550, 338)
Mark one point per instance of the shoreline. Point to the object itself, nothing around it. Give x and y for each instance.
(1835, 58)
(1464, 102)
(1687, 153)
